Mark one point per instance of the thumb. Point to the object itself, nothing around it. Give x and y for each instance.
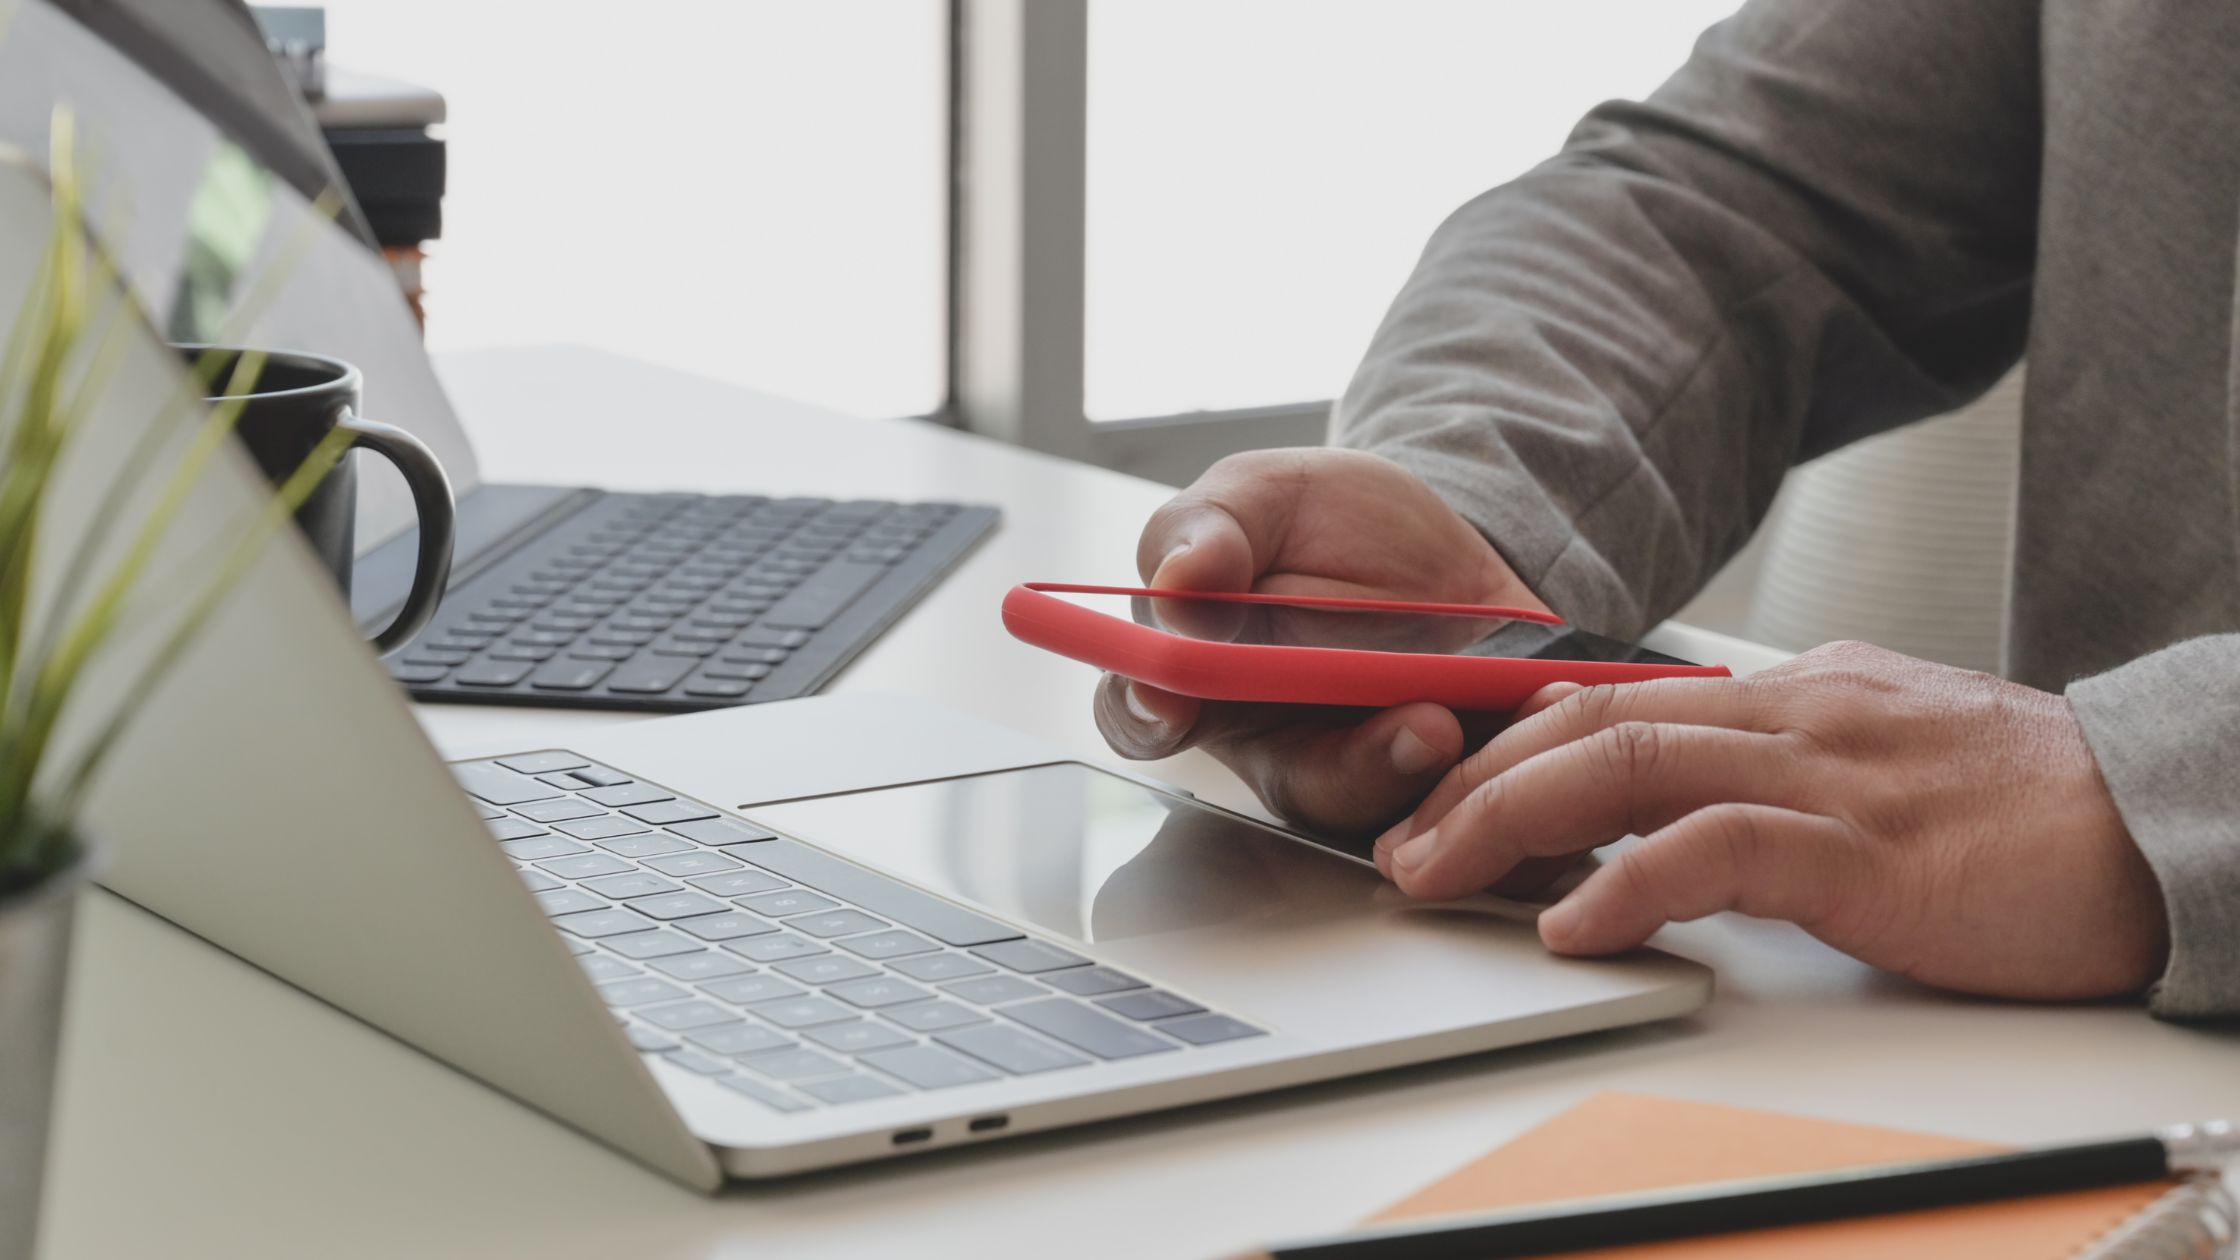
(1195, 545)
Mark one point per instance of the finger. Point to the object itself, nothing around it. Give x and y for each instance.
(1763, 861)
(1626, 779)
(1219, 534)
(1723, 702)
(1348, 779)
(1142, 722)
(1544, 699)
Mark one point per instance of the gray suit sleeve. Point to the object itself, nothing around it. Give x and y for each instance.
(2166, 732)
(1821, 227)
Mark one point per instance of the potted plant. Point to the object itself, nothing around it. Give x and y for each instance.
(59, 613)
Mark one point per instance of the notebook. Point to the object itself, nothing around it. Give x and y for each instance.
(1615, 1143)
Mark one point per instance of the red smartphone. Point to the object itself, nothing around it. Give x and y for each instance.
(1285, 649)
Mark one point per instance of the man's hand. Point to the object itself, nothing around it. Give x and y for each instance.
(1930, 821)
(1311, 521)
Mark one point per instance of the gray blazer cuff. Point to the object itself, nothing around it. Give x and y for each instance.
(2166, 732)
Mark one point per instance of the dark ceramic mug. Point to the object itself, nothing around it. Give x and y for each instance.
(297, 401)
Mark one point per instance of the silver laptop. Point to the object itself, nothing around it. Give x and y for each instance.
(758, 941)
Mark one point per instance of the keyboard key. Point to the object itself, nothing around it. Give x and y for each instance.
(1084, 1029)
(774, 1099)
(695, 862)
(595, 651)
(877, 993)
(647, 675)
(542, 763)
(644, 945)
(705, 965)
(726, 927)
(1010, 1049)
(660, 812)
(568, 901)
(734, 884)
(627, 794)
(989, 990)
(735, 673)
(786, 1065)
(825, 969)
(1091, 981)
(1204, 1030)
(683, 1015)
(928, 1068)
(490, 672)
(498, 785)
(651, 844)
(514, 828)
(883, 945)
(600, 828)
(678, 905)
(741, 1038)
(694, 1062)
(836, 923)
(485, 811)
(574, 946)
(758, 988)
(770, 949)
(598, 776)
(538, 881)
(821, 598)
(715, 688)
(877, 893)
(929, 1017)
(744, 655)
(778, 905)
(1149, 1004)
(717, 832)
(585, 867)
(540, 847)
(802, 1012)
(771, 636)
(936, 967)
(1032, 957)
(857, 1036)
(525, 652)
(646, 1039)
(639, 992)
(595, 924)
(601, 968)
(630, 884)
(855, 1087)
(558, 809)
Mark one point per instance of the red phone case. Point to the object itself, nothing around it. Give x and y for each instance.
(1302, 675)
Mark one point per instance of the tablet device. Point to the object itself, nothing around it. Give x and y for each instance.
(1286, 649)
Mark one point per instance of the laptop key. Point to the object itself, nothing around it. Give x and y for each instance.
(819, 599)
(855, 1087)
(648, 675)
(927, 1068)
(836, 923)
(561, 901)
(647, 1040)
(1003, 1046)
(1149, 1004)
(644, 945)
(1206, 1029)
(630, 884)
(774, 1099)
(678, 905)
(1091, 981)
(514, 828)
(498, 785)
(492, 672)
(760, 988)
(537, 847)
(626, 794)
(416, 673)
(716, 688)
(740, 1038)
(649, 845)
(884, 945)
(639, 991)
(932, 968)
(786, 1065)
(734, 884)
(801, 1012)
(929, 1017)
(726, 927)
(700, 1063)
(568, 674)
(1076, 1025)
(538, 881)
(695, 862)
(598, 776)
(718, 832)
(685, 1015)
(989, 990)
(877, 993)
(878, 894)
(705, 965)
(601, 828)
(558, 809)
(825, 969)
(1031, 957)
(778, 905)
(601, 967)
(595, 924)
(770, 949)
(586, 866)
(665, 812)
(857, 1036)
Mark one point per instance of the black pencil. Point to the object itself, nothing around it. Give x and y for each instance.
(1728, 1206)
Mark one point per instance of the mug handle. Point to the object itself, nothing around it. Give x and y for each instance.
(431, 499)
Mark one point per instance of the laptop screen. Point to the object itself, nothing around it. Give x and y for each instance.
(196, 172)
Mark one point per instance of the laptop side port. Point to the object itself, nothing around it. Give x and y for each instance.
(909, 1137)
(988, 1124)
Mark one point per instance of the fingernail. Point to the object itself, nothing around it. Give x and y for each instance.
(1410, 755)
(1140, 711)
(1412, 854)
(1169, 558)
(1560, 922)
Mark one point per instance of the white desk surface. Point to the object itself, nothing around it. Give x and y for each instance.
(210, 1110)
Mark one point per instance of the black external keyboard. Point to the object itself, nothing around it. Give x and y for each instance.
(677, 602)
(790, 976)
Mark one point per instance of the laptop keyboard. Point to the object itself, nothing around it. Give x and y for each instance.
(790, 976)
(677, 602)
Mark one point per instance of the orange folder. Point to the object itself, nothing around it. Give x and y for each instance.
(1617, 1143)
